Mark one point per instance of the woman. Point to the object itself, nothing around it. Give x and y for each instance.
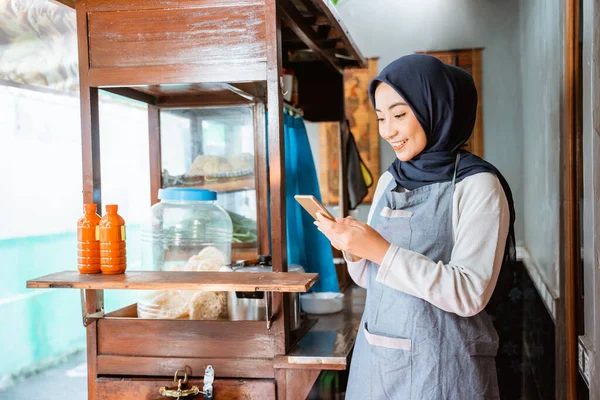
(439, 229)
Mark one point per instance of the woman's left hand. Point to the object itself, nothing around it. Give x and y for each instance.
(354, 237)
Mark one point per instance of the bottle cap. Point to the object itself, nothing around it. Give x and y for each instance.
(90, 208)
(112, 208)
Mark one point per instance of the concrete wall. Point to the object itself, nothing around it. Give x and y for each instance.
(541, 83)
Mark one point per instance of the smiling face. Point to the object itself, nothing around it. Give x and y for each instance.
(398, 124)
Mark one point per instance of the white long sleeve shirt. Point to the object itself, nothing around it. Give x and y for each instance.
(480, 223)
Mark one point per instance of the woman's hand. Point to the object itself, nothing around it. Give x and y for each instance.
(354, 237)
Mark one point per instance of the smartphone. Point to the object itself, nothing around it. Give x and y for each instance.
(312, 205)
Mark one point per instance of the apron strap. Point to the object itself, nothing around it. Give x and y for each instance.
(455, 169)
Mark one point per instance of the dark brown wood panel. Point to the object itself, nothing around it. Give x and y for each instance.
(90, 121)
(276, 151)
(132, 94)
(149, 93)
(200, 101)
(299, 383)
(147, 389)
(91, 302)
(176, 74)
(566, 327)
(155, 152)
(214, 35)
(180, 280)
(127, 5)
(262, 178)
(165, 366)
(90, 146)
(129, 311)
(184, 338)
(181, 89)
(68, 3)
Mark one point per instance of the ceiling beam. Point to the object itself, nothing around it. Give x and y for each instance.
(311, 8)
(295, 21)
(332, 15)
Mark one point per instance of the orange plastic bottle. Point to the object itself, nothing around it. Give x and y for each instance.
(88, 245)
(112, 242)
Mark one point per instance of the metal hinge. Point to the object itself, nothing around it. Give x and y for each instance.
(99, 313)
(583, 361)
(269, 309)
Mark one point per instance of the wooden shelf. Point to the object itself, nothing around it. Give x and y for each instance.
(230, 185)
(194, 94)
(162, 280)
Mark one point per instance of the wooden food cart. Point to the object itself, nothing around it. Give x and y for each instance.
(211, 53)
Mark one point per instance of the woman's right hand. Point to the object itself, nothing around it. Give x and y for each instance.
(354, 237)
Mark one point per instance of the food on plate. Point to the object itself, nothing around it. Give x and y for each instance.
(190, 304)
(208, 305)
(242, 162)
(216, 166)
(208, 165)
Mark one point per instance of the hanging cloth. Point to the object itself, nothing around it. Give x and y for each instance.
(359, 178)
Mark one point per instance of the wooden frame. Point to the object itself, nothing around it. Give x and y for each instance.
(589, 341)
(566, 337)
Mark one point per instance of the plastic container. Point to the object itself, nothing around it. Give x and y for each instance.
(113, 258)
(88, 244)
(186, 231)
(322, 302)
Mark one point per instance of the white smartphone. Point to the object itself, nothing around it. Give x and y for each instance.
(312, 205)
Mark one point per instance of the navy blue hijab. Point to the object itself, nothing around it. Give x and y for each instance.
(444, 100)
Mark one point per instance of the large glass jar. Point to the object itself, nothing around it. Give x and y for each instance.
(186, 231)
(183, 224)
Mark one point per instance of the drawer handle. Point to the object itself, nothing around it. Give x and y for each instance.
(194, 390)
(179, 393)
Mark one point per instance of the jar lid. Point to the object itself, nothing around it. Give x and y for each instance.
(187, 194)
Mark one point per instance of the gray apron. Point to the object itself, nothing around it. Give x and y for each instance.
(406, 347)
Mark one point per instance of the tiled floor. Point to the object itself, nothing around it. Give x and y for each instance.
(66, 381)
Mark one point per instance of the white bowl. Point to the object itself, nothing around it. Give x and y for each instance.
(322, 302)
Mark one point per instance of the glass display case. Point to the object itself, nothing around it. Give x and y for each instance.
(214, 148)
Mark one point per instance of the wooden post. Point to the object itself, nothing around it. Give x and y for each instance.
(276, 170)
(566, 338)
(343, 184)
(155, 156)
(91, 306)
(261, 179)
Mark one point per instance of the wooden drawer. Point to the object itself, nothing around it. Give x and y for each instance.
(174, 338)
(131, 346)
(148, 389)
(121, 333)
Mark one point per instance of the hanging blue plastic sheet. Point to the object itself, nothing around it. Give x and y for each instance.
(306, 245)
